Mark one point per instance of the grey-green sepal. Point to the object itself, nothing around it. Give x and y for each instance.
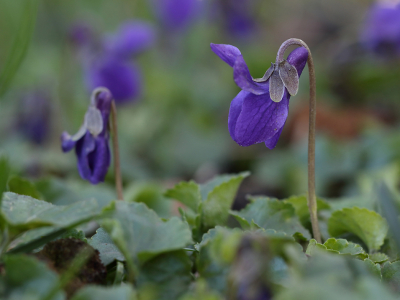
(267, 74)
(93, 121)
(289, 76)
(276, 87)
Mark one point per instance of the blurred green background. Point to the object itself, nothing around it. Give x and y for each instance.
(177, 129)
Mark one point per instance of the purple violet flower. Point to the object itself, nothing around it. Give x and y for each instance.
(176, 14)
(113, 68)
(381, 33)
(253, 116)
(91, 141)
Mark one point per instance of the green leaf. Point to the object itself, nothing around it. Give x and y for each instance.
(374, 268)
(369, 226)
(201, 292)
(209, 186)
(378, 257)
(23, 186)
(169, 274)
(144, 233)
(20, 45)
(391, 274)
(108, 250)
(23, 213)
(150, 194)
(187, 193)
(337, 246)
(27, 278)
(300, 205)
(4, 174)
(123, 292)
(344, 247)
(221, 193)
(271, 214)
(211, 264)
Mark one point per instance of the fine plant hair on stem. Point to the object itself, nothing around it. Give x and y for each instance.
(117, 164)
(311, 197)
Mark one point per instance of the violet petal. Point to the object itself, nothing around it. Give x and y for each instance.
(67, 143)
(234, 112)
(298, 58)
(271, 143)
(84, 147)
(260, 118)
(243, 79)
(100, 160)
(227, 53)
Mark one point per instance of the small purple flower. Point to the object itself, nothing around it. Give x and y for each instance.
(113, 69)
(91, 141)
(176, 14)
(34, 116)
(381, 32)
(253, 116)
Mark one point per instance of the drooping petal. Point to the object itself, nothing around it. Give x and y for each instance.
(271, 143)
(84, 147)
(227, 53)
(67, 143)
(243, 79)
(298, 58)
(260, 118)
(234, 112)
(122, 78)
(276, 87)
(131, 38)
(99, 160)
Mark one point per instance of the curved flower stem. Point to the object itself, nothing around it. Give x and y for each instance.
(311, 199)
(117, 165)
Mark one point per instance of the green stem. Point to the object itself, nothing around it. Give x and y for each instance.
(117, 164)
(311, 198)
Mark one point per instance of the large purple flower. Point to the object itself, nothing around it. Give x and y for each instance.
(253, 116)
(91, 141)
(381, 32)
(113, 69)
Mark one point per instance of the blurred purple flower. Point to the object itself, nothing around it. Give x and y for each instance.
(253, 116)
(34, 116)
(177, 14)
(131, 38)
(238, 17)
(81, 34)
(121, 77)
(113, 69)
(91, 141)
(381, 32)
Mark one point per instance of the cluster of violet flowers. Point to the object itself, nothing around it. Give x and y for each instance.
(256, 115)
